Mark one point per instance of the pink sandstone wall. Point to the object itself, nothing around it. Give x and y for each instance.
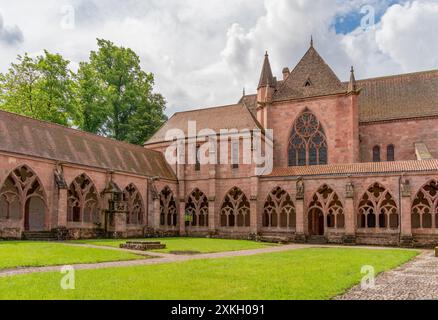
(402, 134)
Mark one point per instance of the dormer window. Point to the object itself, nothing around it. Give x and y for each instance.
(308, 83)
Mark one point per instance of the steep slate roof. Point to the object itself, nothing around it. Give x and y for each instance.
(399, 97)
(311, 68)
(30, 137)
(357, 169)
(236, 116)
(266, 77)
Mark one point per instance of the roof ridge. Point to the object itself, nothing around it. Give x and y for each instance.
(398, 75)
(75, 131)
(208, 108)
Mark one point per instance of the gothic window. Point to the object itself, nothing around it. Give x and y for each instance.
(376, 154)
(20, 189)
(83, 201)
(327, 201)
(308, 143)
(425, 207)
(197, 208)
(378, 209)
(235, 210)
(135, 213)
(390, 153)
(279, 210)
(168, 211)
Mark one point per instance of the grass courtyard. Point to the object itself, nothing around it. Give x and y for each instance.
(202, 245)
(299, 274)
(37, 254)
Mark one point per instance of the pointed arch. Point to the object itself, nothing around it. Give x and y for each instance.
(135, 206)
(168, 210)
(327, 201)
(235, 211)
(308, 142)
(83, 201)
(22, 195)
(378, 209)
(279, 210)
(424, 213)
(197, 208)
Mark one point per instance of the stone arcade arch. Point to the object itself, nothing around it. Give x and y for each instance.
(83, 201)
(197, 208)
(168, 209)
(22, 197)
(378, 209)
(279, 210)
(235, 210)
(325, 211)
(425, 207)
(135, 207)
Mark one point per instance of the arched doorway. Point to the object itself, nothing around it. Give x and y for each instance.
(34, 214)
(316, 222)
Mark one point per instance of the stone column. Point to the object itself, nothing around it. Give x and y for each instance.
(406, 239)
(350, 216)
(155, 214)
(120, 224)
(182, 216)
(212, 214)
(300, 236)
(254, 206)
(62, 208)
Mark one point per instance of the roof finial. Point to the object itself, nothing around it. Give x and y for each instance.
(244, 92)
(352, 84)
(266, 53)
(311, 41)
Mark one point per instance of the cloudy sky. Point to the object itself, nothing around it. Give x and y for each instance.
(204, 52)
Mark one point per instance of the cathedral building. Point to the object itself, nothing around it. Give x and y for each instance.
(353, 163)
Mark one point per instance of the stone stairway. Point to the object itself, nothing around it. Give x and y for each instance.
(39, 236)
(317, 240)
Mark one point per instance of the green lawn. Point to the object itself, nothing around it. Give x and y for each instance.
(203, 245)
(36, 254)
(300, 274)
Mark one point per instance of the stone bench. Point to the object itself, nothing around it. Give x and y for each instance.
(143, 245)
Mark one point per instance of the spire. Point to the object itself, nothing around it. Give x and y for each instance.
(352, 84)
(244, 92)
(266, 78)
(311, 41)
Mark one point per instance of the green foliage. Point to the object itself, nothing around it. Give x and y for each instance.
(306, 274)
(115, 95)
(110, 95)
(40, 88)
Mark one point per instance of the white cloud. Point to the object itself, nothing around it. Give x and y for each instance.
(204, 52)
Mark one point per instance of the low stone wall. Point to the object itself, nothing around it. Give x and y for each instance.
(425, 240)
(10, 233)
(378, 239)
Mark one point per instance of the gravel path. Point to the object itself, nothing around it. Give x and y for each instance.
(416, 280)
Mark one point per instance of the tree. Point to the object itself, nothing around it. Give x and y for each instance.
(40, 87)
(116, 96)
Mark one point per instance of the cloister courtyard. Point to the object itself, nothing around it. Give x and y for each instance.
(215, 269)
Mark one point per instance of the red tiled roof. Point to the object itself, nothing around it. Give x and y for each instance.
(313, 69)
(399, 97)
(357, 169)
(236, 116)
(30, 137)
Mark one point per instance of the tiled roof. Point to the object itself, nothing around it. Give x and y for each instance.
(312, 69)
(399, 97)
(266, 77)
(250, 101)
(30, 137)
(357, 169)
(236, 116)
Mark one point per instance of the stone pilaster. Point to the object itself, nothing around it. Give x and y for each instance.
(350, 216)
(300, 236)
(406, 239)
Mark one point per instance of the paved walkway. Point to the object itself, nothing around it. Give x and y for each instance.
(416, 280)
